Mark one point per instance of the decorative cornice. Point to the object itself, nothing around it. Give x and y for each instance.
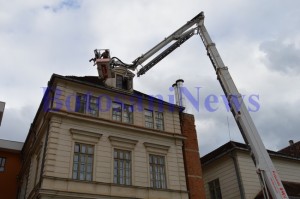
(156, 148)
(122, 142)
(87, 136)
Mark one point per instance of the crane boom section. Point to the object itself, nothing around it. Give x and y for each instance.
(174, 36)
(262, 160)
(269, 177)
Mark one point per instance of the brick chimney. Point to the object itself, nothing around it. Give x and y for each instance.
(193, 170)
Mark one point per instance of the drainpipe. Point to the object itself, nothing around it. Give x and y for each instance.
(179, 84)
(175, 87)
(44, 154)
(238, 176)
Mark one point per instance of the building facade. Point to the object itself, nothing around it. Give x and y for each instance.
(96, 139)
(229, 173)
(10, 164)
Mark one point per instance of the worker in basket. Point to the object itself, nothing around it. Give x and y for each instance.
(105, 54)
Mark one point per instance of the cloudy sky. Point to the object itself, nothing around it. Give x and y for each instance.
(258, 40)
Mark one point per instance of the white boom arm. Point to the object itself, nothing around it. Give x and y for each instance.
(267, 173)
(179, 36)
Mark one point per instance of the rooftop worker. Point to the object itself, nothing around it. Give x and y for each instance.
(97, 56)
(105, 54)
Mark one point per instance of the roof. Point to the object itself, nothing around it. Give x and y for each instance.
(96, 82)
(292, 150)
(232, 145)
(8, 145)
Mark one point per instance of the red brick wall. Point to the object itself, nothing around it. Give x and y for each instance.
(8, 178)
(192, 162)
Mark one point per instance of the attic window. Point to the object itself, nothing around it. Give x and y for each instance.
(215, 189)
(119, 81)
(123, 82)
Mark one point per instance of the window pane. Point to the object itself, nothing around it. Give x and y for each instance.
(119, 81)
(90, 159)
(75, 167)
(83, 148)
(93, 105)
(88, 176)
(89, 169)
(127, 181)
(82, 159)
(128, 114)
(127, 157)
(81, 177)
(74, 175)
(90, 150)
(75, 158)
(157, 172)
(82, 167)
(122, 167)
(76, 148)
(116, 111)
(159, 120)
(80, 103)
(83, 162)
(148, 119)
(215, 189)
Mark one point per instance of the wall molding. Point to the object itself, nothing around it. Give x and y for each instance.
(86, 136)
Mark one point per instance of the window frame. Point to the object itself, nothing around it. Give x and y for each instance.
(123, 82)
(157, 119)
(2, 164)
(130, 114)
(84, 106)
(117, 115)
(80, 105)
(121, 117)
(122, 173)
(148, 119)
(95, 110)
(214, 188)
(84, 163)
(118, 83)
(155, 183)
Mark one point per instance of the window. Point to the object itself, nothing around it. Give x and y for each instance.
(159, 120)
(87, 103)
(123, 82)
(148, 118)
(2, 164)
(83, 162)
(81, 100)
(157, 172)
(117, 111)
(128, 114)
(122, 167)
(119, 81)
(215, 189)
(93, 106)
